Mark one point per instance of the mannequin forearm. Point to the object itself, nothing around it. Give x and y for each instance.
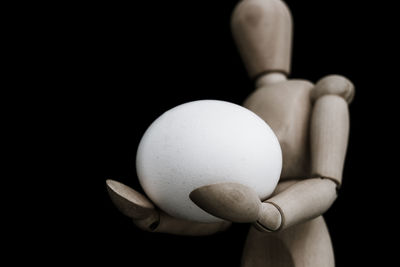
(329, 132)
(148, 218)
(163, 223)
(302, 201)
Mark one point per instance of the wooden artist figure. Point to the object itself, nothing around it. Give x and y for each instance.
(311, 122)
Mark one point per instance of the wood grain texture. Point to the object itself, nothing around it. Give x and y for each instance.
(148, 218)
(312, 126)
(329, 136)
(229, 201)
(312, 131)
(262, 30)
(161, 222)
(270, 218)
(176, 226)
(306, 244)
(282, 186)
(304, 200)
(286, 107)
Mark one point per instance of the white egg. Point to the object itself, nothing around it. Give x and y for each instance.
(201, 143)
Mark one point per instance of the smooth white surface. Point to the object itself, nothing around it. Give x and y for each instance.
(201, 143)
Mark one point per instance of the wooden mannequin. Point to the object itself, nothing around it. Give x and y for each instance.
(312, 125)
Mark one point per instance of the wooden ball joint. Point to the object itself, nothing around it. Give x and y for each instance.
(312, 126)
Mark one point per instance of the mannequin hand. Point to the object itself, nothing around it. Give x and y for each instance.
(149, 218)
(269, 219)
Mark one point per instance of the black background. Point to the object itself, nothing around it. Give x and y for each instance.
(108, 70)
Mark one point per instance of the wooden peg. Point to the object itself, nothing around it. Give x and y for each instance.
(262, 30)
(230, 201)
(269, 79)
(334, 85)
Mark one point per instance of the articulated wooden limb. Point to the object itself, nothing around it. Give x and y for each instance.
(128, 201)
(330, 126)
(328, 139)
(306, 199)
(171, 225)
(148, 218)
(262, 30)
(161, 222)
(230, 201)
(299, 202)
(270, 78)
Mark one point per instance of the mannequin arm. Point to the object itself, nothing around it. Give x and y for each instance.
(329, 136)
(330, 126)
(148, 218)
(302, 201)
